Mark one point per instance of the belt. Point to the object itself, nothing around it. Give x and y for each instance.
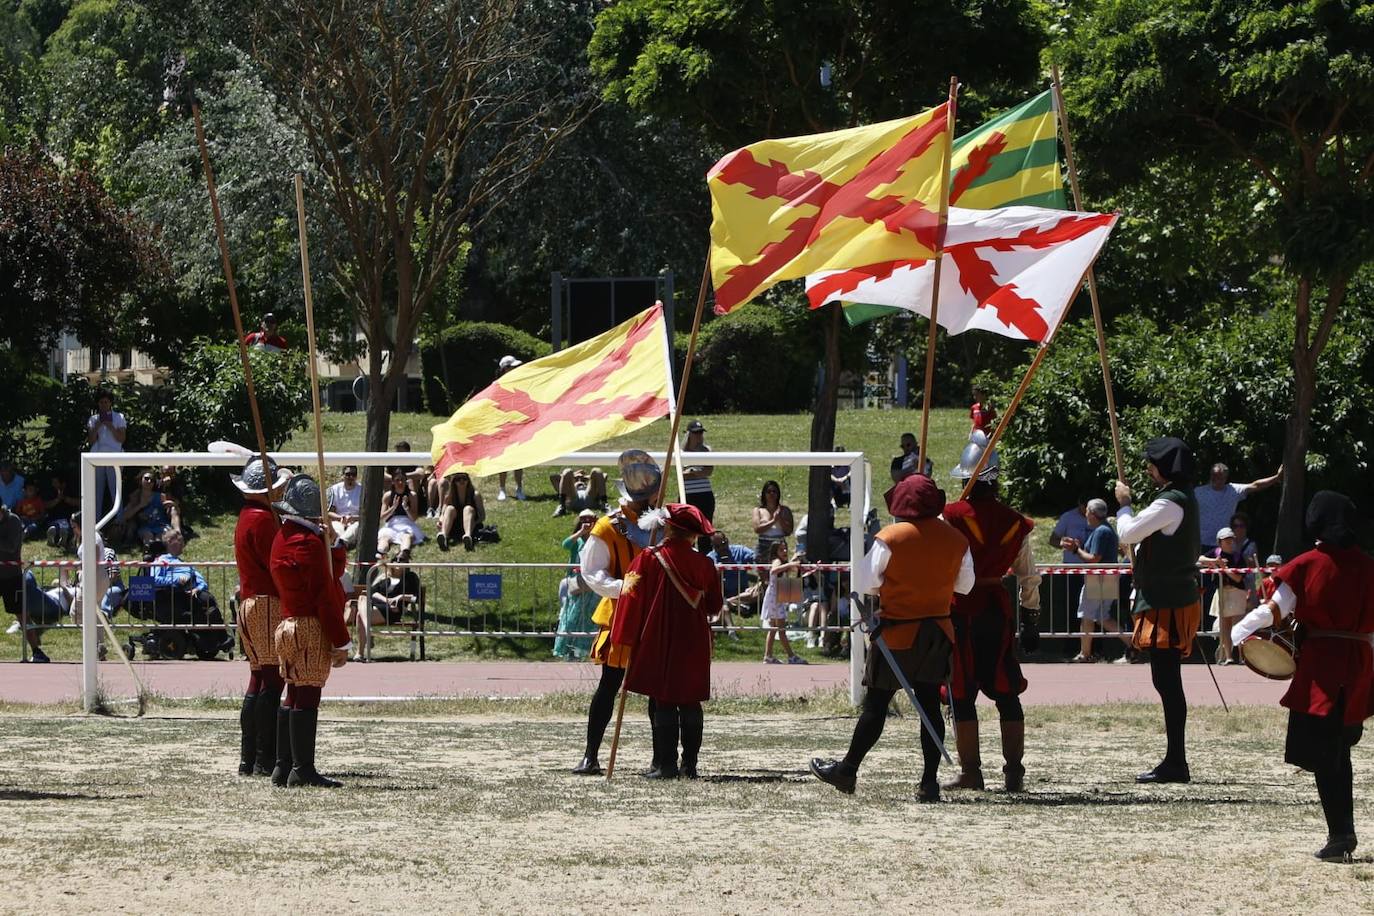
(1339, 634)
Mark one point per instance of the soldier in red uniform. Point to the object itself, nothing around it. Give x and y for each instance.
(1330, 591)
(258, 615)
(916, 566)
(312, 636)
(670, 591)
(985, 622)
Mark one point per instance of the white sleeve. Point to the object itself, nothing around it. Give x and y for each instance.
(963, 583)
(1284, 600)
(596, 561)
(1161, 515)
(1027, 577)
(868, 573)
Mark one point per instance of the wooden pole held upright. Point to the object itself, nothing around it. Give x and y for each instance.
(233, 291)
(950, 109)
(314, 372)
(663, 482)
(1092, 278)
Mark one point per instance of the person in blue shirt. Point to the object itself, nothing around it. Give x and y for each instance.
(1098, 600)
(733, 581)
(169, 572)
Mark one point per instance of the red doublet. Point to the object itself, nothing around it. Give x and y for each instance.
(670, 591)
(253, 537)
(1335, 591)
(994, 532)
(303, 581)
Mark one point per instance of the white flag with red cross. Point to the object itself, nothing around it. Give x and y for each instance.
(1012, 271)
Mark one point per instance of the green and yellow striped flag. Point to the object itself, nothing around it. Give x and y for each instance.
(1011, 160)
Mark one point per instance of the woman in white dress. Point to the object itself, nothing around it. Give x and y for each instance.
(399, 509)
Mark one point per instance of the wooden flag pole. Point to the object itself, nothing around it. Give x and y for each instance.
(233, 294)
(314, 373)
(663, 481)
(1092, 278)
(950, 110)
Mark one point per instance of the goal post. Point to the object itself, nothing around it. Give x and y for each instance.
(91, 461)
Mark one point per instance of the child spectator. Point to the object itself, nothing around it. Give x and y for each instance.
(577, 600)
(60, 509)
(784, 588)
(32, 511)
(1229, 600)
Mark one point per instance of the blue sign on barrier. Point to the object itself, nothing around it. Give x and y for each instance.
(140, 588)
(484, 587)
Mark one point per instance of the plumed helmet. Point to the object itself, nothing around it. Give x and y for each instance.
(969, 457)
(640, 474)
(300, 498)
(251, 479)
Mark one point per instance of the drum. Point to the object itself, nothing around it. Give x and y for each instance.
(1272, 652)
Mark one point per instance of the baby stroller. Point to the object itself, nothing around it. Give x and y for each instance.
(173, 606)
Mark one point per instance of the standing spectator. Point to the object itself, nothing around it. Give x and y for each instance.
(32, 510)
(105, 432)
(904, 465)
(11, 485)
(697, 479)
(981, 412)
(578, 602)
(776, 599)
(345, 502)
(1097, 604)
(772, 520)
(1229, 599)
(580, 488)
(1216, 503)
(506, 364)
(462, 498)
(60, 509)
(839, 483)
(1249, 552)
(1070, 532)
(399, 509)
(266, 336)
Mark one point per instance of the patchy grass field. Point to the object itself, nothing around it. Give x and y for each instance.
(468, 807)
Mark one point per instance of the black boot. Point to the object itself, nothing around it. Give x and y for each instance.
(693, 725)
(303, 773)
(282, 772)
(1338, 848)
(265, 723)
(665, 743)
(836, 772)
(247, 734)
(1165, 772)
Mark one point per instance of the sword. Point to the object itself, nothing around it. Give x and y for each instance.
(866, 623)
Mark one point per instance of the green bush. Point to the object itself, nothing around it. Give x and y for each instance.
(208, 398)
(461, 361)
(1223, 384)
(69, 408)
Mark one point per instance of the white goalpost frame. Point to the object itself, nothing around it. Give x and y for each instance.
(90, 461)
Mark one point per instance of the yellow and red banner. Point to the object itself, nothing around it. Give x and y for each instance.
(607, 386)
(782, 209)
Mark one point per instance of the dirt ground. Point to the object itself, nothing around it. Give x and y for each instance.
(471, 808)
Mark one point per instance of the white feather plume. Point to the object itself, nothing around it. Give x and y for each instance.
(230, 448)
(654, 518)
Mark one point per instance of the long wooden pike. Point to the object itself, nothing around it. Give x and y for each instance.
(314, 372)
(233, 293)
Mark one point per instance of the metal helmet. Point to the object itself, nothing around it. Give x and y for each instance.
(301, 497)
(251, 479)
(640, 474)
(969, 457)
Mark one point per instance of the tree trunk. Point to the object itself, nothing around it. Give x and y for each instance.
(382, 389)
(1291, 538)
(819, 522)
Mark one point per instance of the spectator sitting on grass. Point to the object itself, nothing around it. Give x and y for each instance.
(399, 510)
(32, 511)
(580, 488)
(733, 581)
(345, 500)
(462, 498)
(60, 509)
(144, 516)
(11, 485)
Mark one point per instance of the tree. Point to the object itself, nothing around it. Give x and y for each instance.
(1283, 91)
(761, 68)
(421, 119)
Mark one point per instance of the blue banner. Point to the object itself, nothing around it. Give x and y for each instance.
(484, 587)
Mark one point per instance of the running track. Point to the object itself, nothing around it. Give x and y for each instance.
(1050, 684)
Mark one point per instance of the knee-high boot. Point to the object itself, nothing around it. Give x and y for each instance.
(303, 773)
(282, 772)
(247, 734)
(970, 758)
(265, 724)
(1013, 749)
(693, 722)
(665, 742)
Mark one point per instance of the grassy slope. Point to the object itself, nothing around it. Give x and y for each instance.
(530, 533)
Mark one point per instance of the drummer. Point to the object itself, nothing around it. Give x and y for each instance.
(1330, 591)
